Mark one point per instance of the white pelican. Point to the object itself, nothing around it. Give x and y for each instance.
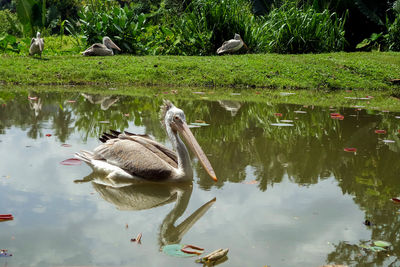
(232, 45)
(104, 49)
(37, 45)
(141, 158)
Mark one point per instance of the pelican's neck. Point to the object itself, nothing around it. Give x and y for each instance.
(184, 166)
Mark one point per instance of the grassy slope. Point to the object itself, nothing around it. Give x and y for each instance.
(371, 71)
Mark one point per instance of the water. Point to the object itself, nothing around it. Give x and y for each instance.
(286, 195)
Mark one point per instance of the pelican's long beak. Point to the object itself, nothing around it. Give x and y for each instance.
(113, 45)
(185, 132)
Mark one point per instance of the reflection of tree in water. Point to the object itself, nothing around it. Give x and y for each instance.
(309, 151)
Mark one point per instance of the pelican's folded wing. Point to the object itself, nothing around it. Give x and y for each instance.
(135, 158)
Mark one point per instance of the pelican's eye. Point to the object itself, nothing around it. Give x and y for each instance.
(176, 118)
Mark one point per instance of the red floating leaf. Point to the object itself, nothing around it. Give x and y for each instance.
(257, 93)
(32, 97)
(48, 135)
(380, 131)
(350, 149)
(395, 199)
(66, 145)
(71, 101)
(278, 114)
(337, 116)
(71, 161)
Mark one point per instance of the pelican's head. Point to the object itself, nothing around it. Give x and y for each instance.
(173, 119)
(38, 35)
(110, 44)
(237, 37)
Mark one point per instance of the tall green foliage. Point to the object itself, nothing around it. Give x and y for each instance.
(289, 29)
(30, 15)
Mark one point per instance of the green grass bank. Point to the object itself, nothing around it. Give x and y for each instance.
(332, 71)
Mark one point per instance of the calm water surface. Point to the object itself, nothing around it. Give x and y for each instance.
(286, 195)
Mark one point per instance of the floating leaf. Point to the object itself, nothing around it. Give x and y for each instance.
(104, 122)
(235, 93)
(34, 98)
(380, 131)
(48, 135)
(337, 116)
(377, 249)
(175, 250)
(250, 182)
(286, 93)
(286, 121)
(6, 217)
(126, 114)
(300, 111)
(71, 101)
(388, 141)
(350, 149)
(282, 124)
(278, 114)
(383, 244)
(199, 124)
(395, 199)
(66, 145)
(199, 93)
(4, 253)
(71, 161)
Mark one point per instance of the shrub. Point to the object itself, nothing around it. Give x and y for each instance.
(9, 23)
(393, 36)
(289, 29)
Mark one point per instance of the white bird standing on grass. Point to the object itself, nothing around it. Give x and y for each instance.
(104, 49)
(37, 45)
(232, 45)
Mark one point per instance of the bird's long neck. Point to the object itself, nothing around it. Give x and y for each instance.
(184, 165)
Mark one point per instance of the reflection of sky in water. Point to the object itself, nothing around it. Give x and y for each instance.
(58, 222)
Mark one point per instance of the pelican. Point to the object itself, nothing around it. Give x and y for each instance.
(232, 45)
(105, 101)
(104, 49)
(37, 45)
(127, 155)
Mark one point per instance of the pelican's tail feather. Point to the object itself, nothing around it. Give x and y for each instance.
(85, 156)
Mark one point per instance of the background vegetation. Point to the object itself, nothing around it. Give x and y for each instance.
(198, 27)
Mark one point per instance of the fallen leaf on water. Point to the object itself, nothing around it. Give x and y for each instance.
(199, 93)
(70, 162)
(300, 112)
(286, 121)
(32, 98)
(350, 149)
(257, 93)
(48, 135)
(282, 124)
(126, 114)
(71, 101)
(382, 244)
(66, 145)
(104, 122)
(380, 131)
(337, 116)
(235, 93)
(199, 124)
(286, 93)
(386, 141)
(250, 182)
(137, 239)
(395, 199)
(278, 114)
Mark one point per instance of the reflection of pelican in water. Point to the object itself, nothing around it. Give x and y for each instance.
(141, 196)
(105, 101)
(232, 106)
(141, 158)
(35, 103)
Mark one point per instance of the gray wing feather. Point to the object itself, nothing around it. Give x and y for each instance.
(135, 158)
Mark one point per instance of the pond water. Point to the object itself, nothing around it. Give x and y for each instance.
(288, 193)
